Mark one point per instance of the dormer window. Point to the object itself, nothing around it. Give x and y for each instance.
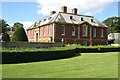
(49, 18)
(91, 20)
(39, 22)
(44, 20)
(71, 17)
(82, 19)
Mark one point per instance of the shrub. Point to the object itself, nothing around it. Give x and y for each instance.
(19, 35)
(6, 37)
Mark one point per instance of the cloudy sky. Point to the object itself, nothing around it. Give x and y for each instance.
(29, 11)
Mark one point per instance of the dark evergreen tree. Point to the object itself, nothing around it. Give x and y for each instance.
(19, 35)
(16, 25)
(6, 37)
(3, 30)
(3, 26)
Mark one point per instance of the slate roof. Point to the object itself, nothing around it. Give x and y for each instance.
(65, 18)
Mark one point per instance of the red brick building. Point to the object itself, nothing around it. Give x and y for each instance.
(71, 28)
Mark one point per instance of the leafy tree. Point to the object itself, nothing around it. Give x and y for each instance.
(19, 34)
(113, 24)
(3, 26)
(6, 37)
(4, 29)
(17, 24)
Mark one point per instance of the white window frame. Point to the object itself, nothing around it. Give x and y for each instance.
(44, 31)
(48, 29)
(101, 32)
(94, 32)
(63, 30)
(40, 31)
(73, 32)
(86, 30)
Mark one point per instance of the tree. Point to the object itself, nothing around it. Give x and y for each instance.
(19, 34)
(17, 24)
(3, 25)
(6, 37)
(113, 24)
(4, 28)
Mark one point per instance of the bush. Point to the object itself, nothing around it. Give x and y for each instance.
(6, 37)
(19, 35)
(21, 57)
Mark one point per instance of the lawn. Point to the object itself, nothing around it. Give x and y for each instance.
(87, 65)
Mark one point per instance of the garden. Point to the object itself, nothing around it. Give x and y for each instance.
(61, 62)
(89, 65)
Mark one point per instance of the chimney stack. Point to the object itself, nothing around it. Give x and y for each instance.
(64, 9)
(74, 11)
(52, 12)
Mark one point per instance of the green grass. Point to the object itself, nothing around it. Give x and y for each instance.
(88, 65)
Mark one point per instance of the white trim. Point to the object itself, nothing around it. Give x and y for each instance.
(53, 34)
(73, 32)
(40, 31)
(78, 32)
(48, 29)
(101, 32)
(63, 29)
(44, 30)
(94, 32)
(86, 30)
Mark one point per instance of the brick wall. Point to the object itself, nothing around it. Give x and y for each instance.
(68, 38)
(84, 40)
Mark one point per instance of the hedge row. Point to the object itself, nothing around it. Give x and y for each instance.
(33, 56)
(22, 57)
(89, 50)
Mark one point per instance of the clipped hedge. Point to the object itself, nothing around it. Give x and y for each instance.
(22, 57)
(94, 50)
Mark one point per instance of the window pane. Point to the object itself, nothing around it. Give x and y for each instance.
(63, 30)
(94, 32)
(84, 30)
(73, 31)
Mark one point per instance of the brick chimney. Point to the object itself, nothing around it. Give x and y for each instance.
(52, 12)
(64, 9)
(74, 11)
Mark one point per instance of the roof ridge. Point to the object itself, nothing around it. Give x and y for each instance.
(77, 14)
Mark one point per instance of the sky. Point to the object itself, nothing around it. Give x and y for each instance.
(29, 11)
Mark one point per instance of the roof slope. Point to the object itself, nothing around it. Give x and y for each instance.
(65, 18)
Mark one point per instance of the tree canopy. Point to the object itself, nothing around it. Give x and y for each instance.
(3, 26)
(17, 24)
(113, 24)
(19, 34)
(3, 31)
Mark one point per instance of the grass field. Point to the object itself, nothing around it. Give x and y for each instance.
(88, 65)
